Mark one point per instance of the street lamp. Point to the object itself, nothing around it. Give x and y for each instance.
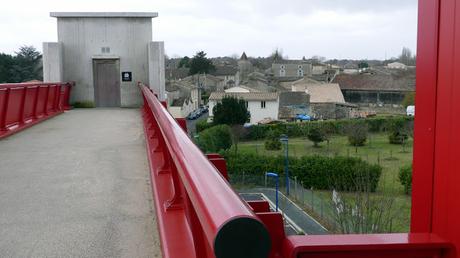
(284, 139)
(277, 179)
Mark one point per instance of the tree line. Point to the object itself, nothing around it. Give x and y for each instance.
(24, 65)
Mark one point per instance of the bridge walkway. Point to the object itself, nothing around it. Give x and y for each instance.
(78, 185)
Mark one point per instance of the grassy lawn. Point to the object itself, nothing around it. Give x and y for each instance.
(377, 150)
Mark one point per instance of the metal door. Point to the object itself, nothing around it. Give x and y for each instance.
(106, 82)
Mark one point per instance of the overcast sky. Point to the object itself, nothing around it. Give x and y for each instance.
(356, 29)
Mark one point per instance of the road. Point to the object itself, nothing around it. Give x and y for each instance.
(297, 216)
(78, 185)
(191, 124)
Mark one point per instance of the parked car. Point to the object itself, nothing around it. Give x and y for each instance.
(302, 117)
(193, 115)
(410, 110)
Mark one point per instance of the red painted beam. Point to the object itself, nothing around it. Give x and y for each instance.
(371, 245)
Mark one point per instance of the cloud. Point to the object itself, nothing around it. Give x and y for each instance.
(333, 28)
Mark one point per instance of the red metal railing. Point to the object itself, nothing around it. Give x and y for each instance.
(199, 215)
(25, 104)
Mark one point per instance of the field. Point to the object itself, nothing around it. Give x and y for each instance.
(377, 150)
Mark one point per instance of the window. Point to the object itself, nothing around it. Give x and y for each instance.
(300, 72)
(262, 104)
(105, 50)
(282, 73)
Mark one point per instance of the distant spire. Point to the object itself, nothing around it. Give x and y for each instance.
(243, 56)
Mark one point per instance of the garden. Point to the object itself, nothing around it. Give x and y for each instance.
(352, 175)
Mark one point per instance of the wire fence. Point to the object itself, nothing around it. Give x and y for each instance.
(317, 204)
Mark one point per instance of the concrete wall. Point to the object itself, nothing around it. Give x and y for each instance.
(83, 39)
(156, 52)
(52, 62)
(332, 110)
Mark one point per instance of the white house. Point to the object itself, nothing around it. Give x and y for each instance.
(261, 105)
(240, 89)
(397, 65)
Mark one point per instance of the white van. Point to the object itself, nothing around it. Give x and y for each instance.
(410, 110)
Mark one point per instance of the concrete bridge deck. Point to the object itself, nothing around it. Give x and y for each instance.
(78, 186)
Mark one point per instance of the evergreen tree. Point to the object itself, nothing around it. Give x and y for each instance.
(27, 65)
(201, 64)
(231, 111)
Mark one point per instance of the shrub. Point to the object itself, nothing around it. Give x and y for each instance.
(323, 173)
(202, 125)
(83, 104)
(272, 142)
(215, 139)
(357, 133)
(405, 177)
(375, 125)
(316, 135)
(398, 131)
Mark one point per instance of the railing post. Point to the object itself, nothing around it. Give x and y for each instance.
(5, 111)
(57, 94)
(34, 113)
(22, 107)
(45, 111)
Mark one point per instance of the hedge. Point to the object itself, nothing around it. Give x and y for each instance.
(375, 124)
(202, 125)
(318, 172)
(215, 139)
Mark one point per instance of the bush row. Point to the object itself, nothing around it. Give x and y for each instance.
(323, 173)
(374, 124)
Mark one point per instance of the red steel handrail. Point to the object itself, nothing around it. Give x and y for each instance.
(229, 225)
(25, 104)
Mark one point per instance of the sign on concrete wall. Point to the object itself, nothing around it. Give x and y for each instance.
(126, 76)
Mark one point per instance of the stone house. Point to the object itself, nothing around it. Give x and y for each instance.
(326, 99)
(291, 68)
(229, 74)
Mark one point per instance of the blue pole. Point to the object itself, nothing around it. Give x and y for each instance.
(276, 193)
(277, 183)
(286, 165)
